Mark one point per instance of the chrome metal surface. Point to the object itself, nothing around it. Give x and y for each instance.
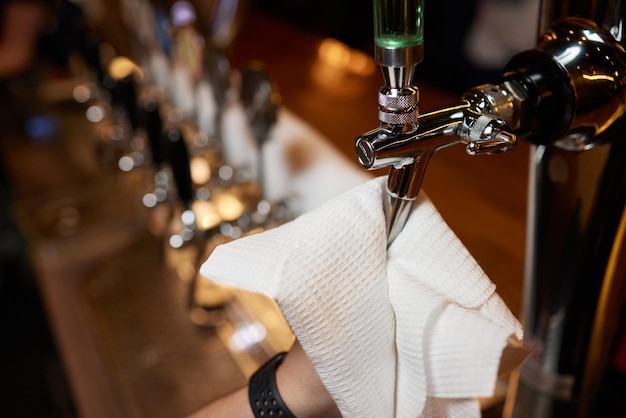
(568, 97)
(472, 122)
(407, 155)
(397, 108)
(586, 70)
(398, 64)
(489, 136)
(381, 148)
(399, 57)
(405, 140)
(573, 277)
(574, 273)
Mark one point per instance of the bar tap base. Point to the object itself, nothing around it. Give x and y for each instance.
(609, 402)
(530, 403)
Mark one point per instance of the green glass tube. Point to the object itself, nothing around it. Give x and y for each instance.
(398, 23)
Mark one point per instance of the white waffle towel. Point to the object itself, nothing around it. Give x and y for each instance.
(413, 330)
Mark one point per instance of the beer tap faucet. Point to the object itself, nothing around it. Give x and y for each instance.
(567, 98)
(405, 140)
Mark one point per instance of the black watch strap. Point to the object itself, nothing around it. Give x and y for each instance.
(265, 400)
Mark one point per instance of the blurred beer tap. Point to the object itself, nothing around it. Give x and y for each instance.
(260, 100)
(125, 83)
(158, 151)
(121, 82)
(153, 123)
(222, 23)
(180, 163)
(188, 48)
(217, 72)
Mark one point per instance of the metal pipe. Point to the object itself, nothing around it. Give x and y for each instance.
(574, 273)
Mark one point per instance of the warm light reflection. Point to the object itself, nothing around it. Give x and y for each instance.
(149, 200)
(228, 206)
(334, 53)
(598, 77)
(200, 170)
(122, 67)
(592, 36)
(186, 271)
(361, 64)
(95, 113)
(125, 163)
(206, 214)
(176, 241)
(81, 93)
(338, 64)
(246, 336)
(338, 55)
(569, 54)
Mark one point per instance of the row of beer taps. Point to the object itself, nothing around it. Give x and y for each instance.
(165, 109)
(177, 112)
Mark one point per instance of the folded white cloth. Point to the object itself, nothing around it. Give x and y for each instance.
(413, 330)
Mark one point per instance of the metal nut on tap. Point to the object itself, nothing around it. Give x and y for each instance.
(398, 107)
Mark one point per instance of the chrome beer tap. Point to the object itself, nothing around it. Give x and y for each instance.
(574, 275)
(405, 141)
(567, 98)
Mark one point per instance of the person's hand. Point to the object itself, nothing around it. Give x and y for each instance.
(298, 384)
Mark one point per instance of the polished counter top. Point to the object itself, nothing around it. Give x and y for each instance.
(117, 305)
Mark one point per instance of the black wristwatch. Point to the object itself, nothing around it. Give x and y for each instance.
(265, 400)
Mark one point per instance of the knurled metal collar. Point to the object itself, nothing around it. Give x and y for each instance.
(404, 118)
(406, 99)
(397, 106)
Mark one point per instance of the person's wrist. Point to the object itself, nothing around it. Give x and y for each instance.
(301, 389)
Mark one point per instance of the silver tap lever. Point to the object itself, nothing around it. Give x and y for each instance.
(474, 122)
(489, 135)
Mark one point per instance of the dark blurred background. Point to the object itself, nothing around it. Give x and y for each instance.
(351, 21)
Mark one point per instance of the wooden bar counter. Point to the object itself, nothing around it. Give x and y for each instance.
(334, 89)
